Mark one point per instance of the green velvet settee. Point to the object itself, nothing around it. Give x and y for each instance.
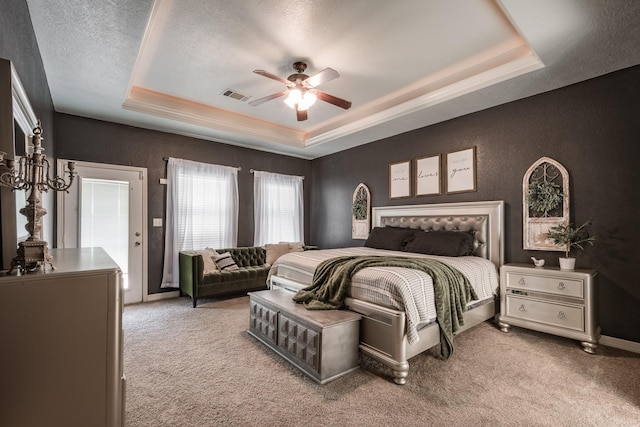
(252, 274)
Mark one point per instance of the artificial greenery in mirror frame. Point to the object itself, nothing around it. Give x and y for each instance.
(544, 196)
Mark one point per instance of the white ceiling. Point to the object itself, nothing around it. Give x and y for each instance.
(404, 64)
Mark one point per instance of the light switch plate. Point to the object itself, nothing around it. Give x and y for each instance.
(157, 222)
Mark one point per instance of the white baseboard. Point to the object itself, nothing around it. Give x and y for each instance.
(162, 295)
(621, 344)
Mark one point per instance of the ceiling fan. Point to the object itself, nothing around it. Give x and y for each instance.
(301, 90)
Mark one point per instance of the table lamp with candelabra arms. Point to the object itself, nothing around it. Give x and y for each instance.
(33, 175)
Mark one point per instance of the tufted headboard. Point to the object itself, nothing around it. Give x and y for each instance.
(486, 219)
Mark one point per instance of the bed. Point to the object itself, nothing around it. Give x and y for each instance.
(398, 317)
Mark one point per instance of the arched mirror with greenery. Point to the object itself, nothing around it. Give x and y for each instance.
(361, 212)
(545, 203)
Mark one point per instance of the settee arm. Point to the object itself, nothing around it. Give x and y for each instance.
(191, 274)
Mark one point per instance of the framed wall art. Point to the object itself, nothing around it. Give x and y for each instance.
(400, 180)
(461, 171)
(427, 179)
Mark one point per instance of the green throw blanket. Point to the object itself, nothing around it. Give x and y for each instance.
(452, 289)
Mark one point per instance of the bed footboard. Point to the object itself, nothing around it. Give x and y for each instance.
(383, 338)
(383, 330)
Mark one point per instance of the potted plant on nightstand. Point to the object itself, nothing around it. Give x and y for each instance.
(569, 237)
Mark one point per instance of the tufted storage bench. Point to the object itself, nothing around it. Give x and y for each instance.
(252, 274)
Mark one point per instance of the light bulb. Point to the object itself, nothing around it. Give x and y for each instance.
(307, 101)
(295, 96)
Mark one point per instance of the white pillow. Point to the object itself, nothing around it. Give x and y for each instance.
(225, 262)
(275, 251)
(210, 265)
(296, 246)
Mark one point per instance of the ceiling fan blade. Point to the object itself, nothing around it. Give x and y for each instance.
(262, 100)
(301, 114)
(323, 76)
(338, 102)
(274, 77)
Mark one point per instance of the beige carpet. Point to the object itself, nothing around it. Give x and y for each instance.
(199, 367)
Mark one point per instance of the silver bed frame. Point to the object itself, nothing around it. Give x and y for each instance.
(383, 330)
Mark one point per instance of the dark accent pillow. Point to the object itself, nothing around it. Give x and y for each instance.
(390, 238)
(445, 243)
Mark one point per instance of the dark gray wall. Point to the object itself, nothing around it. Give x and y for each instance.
(103, 142)
(591, 128)
(18, 44)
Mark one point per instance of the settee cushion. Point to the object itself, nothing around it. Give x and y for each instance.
(244, 274)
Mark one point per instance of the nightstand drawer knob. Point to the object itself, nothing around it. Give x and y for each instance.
(522, 308)
(521, 281)
(561, 315)
(561, 285)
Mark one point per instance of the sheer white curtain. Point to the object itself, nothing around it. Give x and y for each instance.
(278, 204)
(202, 211)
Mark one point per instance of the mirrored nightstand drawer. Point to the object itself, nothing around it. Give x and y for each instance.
(552, 285)
(549, 313)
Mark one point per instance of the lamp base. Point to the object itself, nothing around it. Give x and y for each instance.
(32, 254)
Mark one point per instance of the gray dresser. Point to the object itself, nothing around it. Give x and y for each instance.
(61, 343)
(550, 300)
(321, 343)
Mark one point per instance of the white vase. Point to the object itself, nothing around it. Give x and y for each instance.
(567, 263)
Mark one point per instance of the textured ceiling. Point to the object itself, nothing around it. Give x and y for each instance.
(404, 64)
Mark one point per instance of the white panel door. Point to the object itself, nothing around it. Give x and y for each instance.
(106, 208)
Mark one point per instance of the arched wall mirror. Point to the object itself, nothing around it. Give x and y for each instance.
(17, 121)
(361, 212)
(545, 203)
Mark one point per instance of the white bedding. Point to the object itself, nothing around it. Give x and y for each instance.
(398, 288)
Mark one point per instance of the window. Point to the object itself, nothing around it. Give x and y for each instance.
(278, 208)
(202, 211)
(104, 219)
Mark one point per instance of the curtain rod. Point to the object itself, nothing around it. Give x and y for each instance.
(253, 170)
(239, 167)
(166, 159)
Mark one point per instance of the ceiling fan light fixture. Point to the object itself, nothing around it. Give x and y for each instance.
(301, 93)
(294, 97)
(307, 101)
(302, 98)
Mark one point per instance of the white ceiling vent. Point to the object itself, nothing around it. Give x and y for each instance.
(235, 95)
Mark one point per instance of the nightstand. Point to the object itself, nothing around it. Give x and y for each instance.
(547, 299)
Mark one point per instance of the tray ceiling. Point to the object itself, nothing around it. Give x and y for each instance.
(406, 64)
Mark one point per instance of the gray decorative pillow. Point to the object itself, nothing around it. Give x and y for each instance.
(390, 238)
(444, 243)
(225, 262)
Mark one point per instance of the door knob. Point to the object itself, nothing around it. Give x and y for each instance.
(137, 243)
(137, 233)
